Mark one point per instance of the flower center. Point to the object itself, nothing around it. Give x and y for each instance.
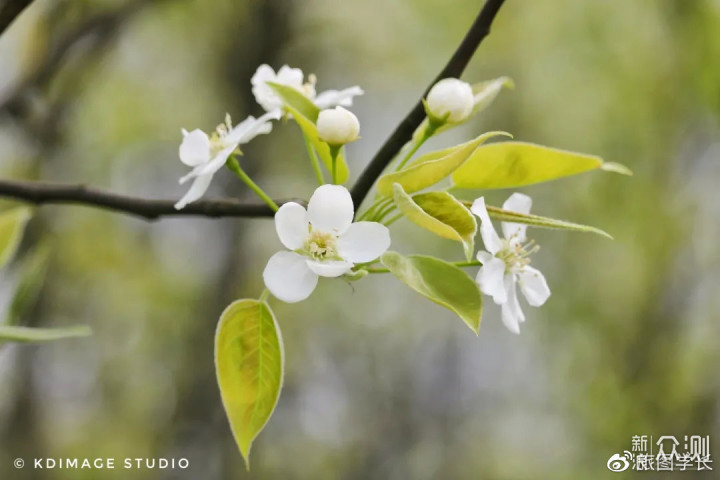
(217, 138)
(321, 245)
(516, 255)
(308, 88)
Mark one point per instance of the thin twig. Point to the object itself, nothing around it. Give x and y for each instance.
(404, 131)
(150, 209)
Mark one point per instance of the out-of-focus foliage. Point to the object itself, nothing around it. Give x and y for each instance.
(12, 226)
(380, 383)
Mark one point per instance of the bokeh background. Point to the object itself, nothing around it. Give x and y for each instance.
(380, 383)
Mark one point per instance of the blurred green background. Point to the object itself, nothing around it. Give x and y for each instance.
(380, 383)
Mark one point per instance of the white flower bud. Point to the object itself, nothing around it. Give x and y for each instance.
(337, 126)
(451, 96)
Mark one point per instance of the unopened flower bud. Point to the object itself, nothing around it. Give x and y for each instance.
(450, 99)
(337, 126)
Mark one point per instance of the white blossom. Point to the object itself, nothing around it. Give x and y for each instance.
(207, 154)
(337, 126)
(322, 241)
(506, 263)
(293, 77)
(452, 98)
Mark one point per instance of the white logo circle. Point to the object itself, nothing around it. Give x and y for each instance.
(618, 463)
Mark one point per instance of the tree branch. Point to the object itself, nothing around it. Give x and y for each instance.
(10, 10)
(404, 131)
(150, 209)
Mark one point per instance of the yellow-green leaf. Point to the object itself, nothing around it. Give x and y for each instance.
(439, 281)
(10, 333)
(296, 100)
(440, 213)
(249, 362)
(514, 164)
(305, 114)
(542, 222)
(12, 226)
(432, 167)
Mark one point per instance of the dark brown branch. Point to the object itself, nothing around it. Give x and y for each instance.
(150, 209)
(10, 10)
(404, 131)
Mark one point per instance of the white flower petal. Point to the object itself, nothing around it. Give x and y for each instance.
(363, 242)
(292, 77)
(195, 148)
(288, 277)
(333, 98)
(292, 225)
(264, 73)
(330, 209)
(251, 127)
(519, 203)
(490, 279)
(208, 169)
(197, 190)
(487, 231)
(264, 94)
(512, 315)
(483, 256)
(331, 268)
(216, 163)
(534, 286)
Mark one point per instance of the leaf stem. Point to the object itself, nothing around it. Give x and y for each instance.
(429, 131)
(264, 295)
(473, 263)
(378, 270)
(380, 216)
(234, 166)
(394, 219)
(380, 203)
(334, 152)
(314, 161)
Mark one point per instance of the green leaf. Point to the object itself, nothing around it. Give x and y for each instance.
(305, 114)
(12, 226)
(440, 213)
(432, 167)
(439, 281)
(484, 93)
(294, 99)
(249, 362)
(32, 272)
(514, 164)
(543, 222)
(12, 333)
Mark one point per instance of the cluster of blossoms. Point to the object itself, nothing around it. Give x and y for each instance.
(207, 154)
(322, 240)
(328, 237)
